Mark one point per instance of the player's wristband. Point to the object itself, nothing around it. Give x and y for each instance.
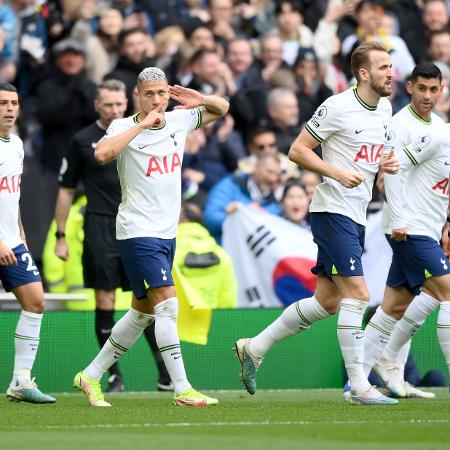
(60, 234)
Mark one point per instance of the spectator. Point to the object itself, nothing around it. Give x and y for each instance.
(289, 15)
(311, 91)
(295, 204)
(283, 112)
(102, 48)
(134, 57)
(8, 31)
(310, 180)
(439, 46)
(257, 189)
(221, 23)
(262, 142)
(64, 101)
(270, 55)
(202, 37)
(369, 28)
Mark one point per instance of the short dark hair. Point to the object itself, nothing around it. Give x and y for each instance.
(191, 212)
(200, 53)
(125, 33)
(426, 70)
(8, 87)
(289, 184)
(360, 56)
(111, 85)
(295, 5)
(257, 132)
(437, 33)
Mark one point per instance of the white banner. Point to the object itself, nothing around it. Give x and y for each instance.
(272, 258)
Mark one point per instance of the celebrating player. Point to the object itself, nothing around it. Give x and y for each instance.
(417, 199)
(149, 149)
(413, 121)
(353, 130)
(18, 272)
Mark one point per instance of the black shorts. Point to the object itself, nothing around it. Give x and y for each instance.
(102, 264)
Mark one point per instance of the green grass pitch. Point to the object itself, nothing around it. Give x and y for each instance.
(286, 419)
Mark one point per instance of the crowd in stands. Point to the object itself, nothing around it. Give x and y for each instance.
(276, 61)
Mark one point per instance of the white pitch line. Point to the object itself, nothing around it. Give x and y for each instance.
(231, 424)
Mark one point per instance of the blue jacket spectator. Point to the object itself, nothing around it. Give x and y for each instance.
(257, 189)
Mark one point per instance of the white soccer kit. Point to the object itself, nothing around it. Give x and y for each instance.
(405, 127)
(11, 168)
(150, 175)
(418, 194)
(353, 135)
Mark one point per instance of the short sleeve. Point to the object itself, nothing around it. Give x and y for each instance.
(423, 148)
(114, 129)
(71, 166)
(325, 121)
(189, 119)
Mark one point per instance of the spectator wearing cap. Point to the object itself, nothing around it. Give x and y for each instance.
(64, 101)
(311, 90)
(289, 17)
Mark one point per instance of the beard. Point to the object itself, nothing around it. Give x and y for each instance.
(383, 90)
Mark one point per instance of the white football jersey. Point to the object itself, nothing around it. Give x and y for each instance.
(11, 168)
(418, 194)
(150, 175)
(405, 127)
(353, 135)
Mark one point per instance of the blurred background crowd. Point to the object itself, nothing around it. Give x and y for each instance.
(274, 60)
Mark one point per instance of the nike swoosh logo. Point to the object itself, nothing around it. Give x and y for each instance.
(176, 357)
(142, 146)
(446, 163)
(359, 131)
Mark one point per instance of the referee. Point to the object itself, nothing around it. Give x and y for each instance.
(102, 266)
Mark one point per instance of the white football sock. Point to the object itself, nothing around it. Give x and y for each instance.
(350, 336)
(296, 318)
(376, 337)
(402, 357)
(419, 309)
(166, 334)
(26, 343)
(123, 336)
(443, 330)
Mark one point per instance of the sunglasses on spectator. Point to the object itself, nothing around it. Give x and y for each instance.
(263, 146)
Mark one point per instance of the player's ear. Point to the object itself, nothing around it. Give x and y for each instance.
(409, 87)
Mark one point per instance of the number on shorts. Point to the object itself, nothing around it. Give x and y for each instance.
(26, 257)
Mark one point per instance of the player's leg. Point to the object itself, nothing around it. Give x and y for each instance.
(164, 383)
(104, 323)
(422, 257)
(296, 318)
(381, 325)
(26, 342)
(25, 282)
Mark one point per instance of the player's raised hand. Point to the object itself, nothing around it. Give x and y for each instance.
(187, 97)
(350, 178)
(390, 164)
(7, 256)
(61, 249)
(399, 234)
(154, 118)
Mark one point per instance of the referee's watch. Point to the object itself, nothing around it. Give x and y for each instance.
(60, 234)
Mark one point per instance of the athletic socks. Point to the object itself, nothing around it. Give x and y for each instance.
(443, 331)
(123, 335)
(296, 318)
(376, 337)
(104, 322)
(149, 334)
(166, 334)
(350, 336)
(26, 342)
(420, 308)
